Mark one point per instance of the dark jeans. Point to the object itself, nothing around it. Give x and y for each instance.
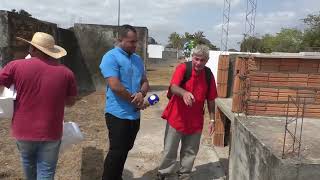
(122, 134)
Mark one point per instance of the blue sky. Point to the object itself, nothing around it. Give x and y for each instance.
(163, 17)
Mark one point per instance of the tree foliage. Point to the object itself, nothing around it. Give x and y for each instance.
(288, 39)
(251, 44)
(311, 38)
(177, 41)
(21, 12)
(151, 40)
(312, 20)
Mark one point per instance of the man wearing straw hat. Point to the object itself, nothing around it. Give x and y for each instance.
(43, 88)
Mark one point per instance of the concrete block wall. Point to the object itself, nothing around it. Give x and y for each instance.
(13, 25)
(4, 38)
(251, 159)
(85, 44)
(169, 54)
(75, 60)
(95, 40)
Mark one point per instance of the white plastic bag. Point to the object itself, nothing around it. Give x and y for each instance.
(28, 56)
(7, 102)
(71, 135)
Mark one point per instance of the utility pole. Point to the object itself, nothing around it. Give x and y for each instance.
(250, 20)
(118, 13)
(225, 25)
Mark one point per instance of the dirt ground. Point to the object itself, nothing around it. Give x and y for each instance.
(85, 160)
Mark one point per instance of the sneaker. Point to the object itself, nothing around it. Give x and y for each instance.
(184, 176)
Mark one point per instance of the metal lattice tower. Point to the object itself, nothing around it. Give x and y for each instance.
(225, 25)
(250, 18)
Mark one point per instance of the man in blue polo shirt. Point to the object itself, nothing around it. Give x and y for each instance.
(125, 92)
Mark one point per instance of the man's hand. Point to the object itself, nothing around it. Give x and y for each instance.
(137, 99)
(211, 127)
(188, 98)
(144, 106)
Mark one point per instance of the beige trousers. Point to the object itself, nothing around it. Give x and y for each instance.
(188, 151)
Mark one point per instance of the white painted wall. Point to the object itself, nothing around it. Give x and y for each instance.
(155, 50)
(213, 62)
(214, 59)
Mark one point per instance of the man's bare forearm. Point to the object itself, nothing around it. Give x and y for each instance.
(211, 109)
(177, 90)
(116, 86)
(145, 87)
(121, 91)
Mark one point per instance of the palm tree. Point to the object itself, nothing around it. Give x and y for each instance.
(188, 36)
(175, 40)
(198, 36)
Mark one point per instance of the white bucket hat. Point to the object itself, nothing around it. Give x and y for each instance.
(46, 43)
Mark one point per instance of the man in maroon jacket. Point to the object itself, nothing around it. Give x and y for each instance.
(44, 87)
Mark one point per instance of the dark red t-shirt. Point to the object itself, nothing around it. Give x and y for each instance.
(42, 87)
(183, 118)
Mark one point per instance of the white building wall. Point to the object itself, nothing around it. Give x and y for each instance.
(214, 59)
(155, 51)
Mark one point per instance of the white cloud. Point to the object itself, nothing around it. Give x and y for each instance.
(274, 21)
(163, 17)
(270, 22)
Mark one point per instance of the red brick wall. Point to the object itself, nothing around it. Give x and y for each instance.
(269, 82)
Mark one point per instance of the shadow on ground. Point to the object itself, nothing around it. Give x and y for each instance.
(225, 164)
(92, 163)
(149, 175)
(207, 171)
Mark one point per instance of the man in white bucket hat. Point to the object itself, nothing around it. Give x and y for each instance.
(43, 88)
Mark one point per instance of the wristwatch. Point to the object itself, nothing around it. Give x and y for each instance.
(143, 93)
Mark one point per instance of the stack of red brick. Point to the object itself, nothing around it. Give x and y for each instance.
(261, 86)
(218, 138)
(264, 84)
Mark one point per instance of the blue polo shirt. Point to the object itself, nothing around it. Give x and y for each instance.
(129, 70)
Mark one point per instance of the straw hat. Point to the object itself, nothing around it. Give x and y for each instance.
(45, 43)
